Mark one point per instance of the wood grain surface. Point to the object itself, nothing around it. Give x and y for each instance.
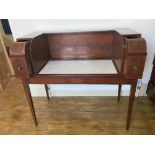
(73, 115)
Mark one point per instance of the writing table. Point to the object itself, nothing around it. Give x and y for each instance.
(97, 57)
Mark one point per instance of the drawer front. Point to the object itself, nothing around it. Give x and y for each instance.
(134, 66)
(136, 45)
(20, 67)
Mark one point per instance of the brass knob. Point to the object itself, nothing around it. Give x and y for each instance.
(19, 68)
(135, 68)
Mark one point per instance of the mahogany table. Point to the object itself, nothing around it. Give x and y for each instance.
(96, 57)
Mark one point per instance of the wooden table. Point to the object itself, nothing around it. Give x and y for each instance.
(98, 57)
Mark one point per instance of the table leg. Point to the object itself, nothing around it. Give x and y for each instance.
(47, 93)
(119, 92)
(131, 102)
(29, 99)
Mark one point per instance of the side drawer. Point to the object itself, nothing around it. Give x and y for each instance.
(134, 66)
(136, 45)
(20, 67)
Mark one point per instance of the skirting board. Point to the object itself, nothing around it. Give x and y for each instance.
(83, 90)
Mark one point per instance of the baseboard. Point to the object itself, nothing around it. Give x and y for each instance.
(84, 90)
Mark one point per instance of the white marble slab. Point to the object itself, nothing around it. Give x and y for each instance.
(79, 67)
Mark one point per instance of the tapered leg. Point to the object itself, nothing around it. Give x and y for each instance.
(47, 93)
(29, 99)
(131, 101)
(119, 92)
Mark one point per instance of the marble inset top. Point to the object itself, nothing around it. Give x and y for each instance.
(79, 67)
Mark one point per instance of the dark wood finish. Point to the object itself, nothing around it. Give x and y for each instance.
(20, 67)
(151, 85)
(47, 93)
(128, 54)
(39, 52)
(81, 45)
(136, 46)
(153, 75)
(17, 49)
(119, 92)
(118, 52)
(153, 72)
(131, 101)
(151, 91)
(28, 58)
(79, 79)
(134, 66)
(29, 99)
(132, 36)
(135, 57)
(21, 61)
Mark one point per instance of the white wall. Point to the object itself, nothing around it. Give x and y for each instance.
(145, 27)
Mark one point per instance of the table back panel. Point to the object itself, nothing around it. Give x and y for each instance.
(86, 45)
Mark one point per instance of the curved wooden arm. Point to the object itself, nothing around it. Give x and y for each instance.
(17, 49)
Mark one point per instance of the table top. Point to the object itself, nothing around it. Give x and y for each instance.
(79, 67)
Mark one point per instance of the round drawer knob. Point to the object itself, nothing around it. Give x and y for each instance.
(19, 68)
(135, 68)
